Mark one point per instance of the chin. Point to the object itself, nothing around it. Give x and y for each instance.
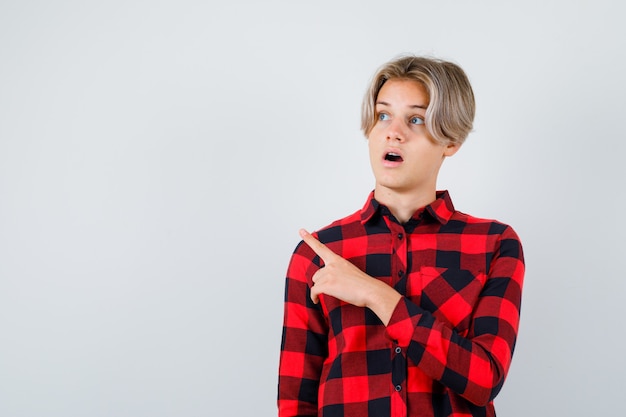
(394, 186)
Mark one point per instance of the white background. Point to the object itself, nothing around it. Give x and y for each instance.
(158, 157)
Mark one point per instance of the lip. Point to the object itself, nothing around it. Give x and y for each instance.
(392, 164)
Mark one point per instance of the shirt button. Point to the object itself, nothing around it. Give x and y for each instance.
(398, 388)
(400, 235)
(398, 349)
(400, 273)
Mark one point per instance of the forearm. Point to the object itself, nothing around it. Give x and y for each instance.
(382, 300)
(472, 354)
(472, 366)
(303, 350)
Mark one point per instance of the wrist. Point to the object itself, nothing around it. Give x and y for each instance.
(383, 301)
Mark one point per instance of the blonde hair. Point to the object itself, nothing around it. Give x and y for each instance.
(450, 112)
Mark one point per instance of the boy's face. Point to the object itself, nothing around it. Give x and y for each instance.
(403, 155)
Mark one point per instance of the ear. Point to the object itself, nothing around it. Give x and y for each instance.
(451, 148)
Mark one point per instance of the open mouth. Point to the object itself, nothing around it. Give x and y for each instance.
(393, 157)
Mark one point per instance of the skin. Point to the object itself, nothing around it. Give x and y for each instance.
(404, 184)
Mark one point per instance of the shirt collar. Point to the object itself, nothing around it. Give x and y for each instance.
(441, 210)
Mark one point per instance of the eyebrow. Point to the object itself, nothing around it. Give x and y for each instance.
(414, 106)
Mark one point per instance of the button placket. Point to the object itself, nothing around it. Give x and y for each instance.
(399, 243)
(399, 253)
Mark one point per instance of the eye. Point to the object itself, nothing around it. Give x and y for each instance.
(383, 116)
(415, 120)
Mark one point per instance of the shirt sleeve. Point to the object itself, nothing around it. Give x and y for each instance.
(304, 344)
(473, 365)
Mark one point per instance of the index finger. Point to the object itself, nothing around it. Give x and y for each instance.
(318, 247)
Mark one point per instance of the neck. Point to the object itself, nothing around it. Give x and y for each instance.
(403, 205)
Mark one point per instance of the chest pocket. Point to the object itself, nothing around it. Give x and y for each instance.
(449, 294)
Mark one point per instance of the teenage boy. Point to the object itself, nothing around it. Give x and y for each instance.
(407, 307)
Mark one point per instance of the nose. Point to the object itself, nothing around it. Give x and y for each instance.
(396, 131)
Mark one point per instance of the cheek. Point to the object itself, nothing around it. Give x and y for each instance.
(433, 160)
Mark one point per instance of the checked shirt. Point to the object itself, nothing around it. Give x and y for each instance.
(448, 346)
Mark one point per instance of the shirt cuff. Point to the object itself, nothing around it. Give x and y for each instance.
(403, 321)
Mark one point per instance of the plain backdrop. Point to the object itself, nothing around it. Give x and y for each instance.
(158, 157)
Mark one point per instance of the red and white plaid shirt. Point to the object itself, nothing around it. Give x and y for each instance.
(448, 346)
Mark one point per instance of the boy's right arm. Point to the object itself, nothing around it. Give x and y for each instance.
(304, 345)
